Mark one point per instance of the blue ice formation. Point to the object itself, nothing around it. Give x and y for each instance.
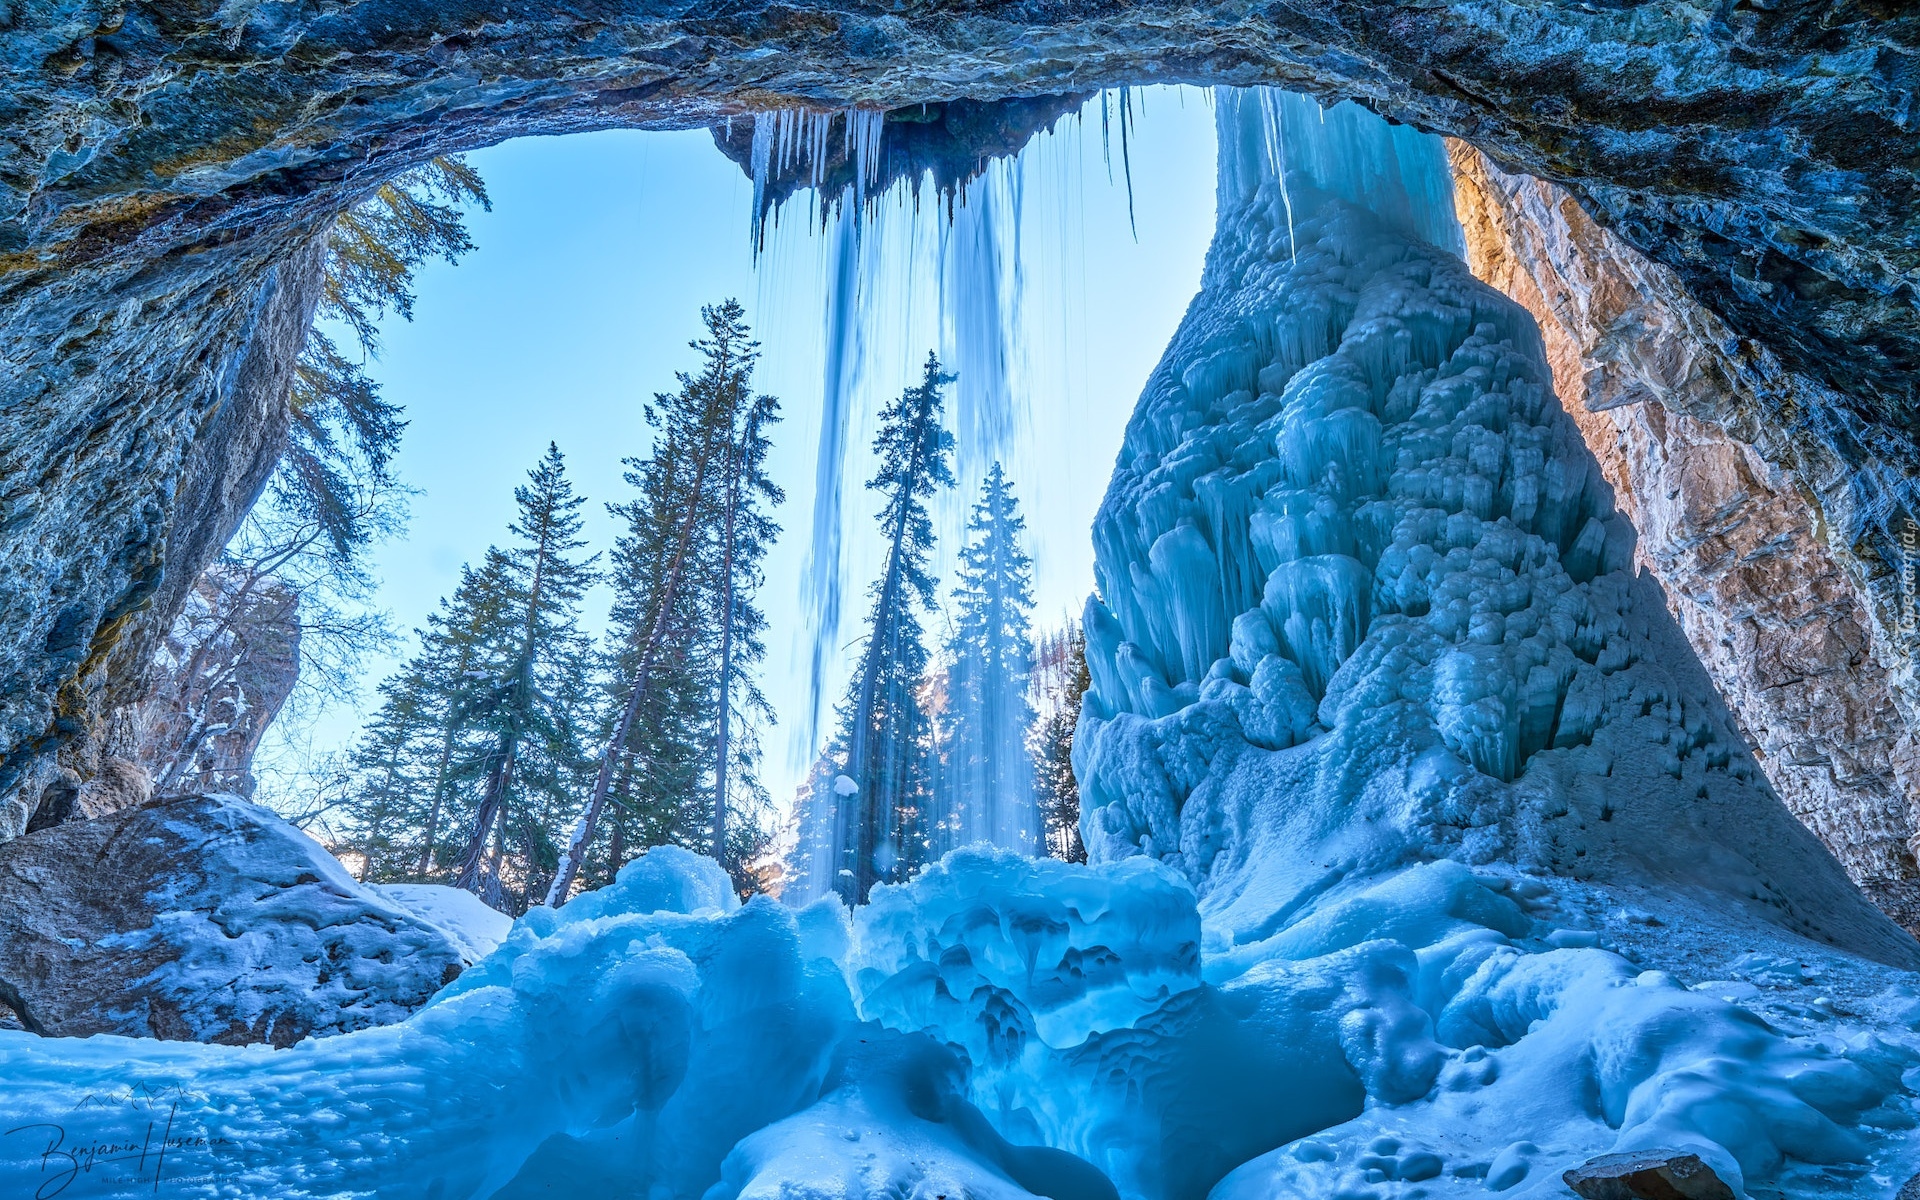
(1425, 863)
(1004, 1027)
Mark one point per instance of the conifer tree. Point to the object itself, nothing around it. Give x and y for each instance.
(522, 705)
(387, 759)
(474, 757)
(1062, 680)
(449, 654)
(342, 434)
(746, 532)
(883, 794)
(403, 769)
(671, 577)
(987, 778)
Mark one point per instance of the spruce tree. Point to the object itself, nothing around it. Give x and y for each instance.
(1062, 680)
(883, 795)
(987, 778)
(746, 533)
(521, 703)
(384, 802)
(701, 488)
(406, 768)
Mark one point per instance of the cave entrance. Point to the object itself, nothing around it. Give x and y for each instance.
(577, 305)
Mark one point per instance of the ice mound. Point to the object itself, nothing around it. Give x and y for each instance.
(1364, 599)
(1004, 1028)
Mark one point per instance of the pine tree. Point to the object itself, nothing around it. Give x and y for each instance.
(387, 762)
(691, 552)
(883, 795)
(474, 760)
(987, 778)
(522, 702)
(1061, 680)
(342, 434)
(405, 770)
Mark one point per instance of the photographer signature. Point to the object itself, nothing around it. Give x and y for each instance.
(65, 1159)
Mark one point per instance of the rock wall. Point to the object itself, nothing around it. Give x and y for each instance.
(166, 168)
(134, 443)
(1774, 608)
(221, 676)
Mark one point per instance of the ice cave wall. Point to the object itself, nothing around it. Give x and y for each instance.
(166, 164)
(1744, 523)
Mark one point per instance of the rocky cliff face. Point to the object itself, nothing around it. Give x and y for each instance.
(223, 672)
(1767, 589)
(167, 168)
(138, 433)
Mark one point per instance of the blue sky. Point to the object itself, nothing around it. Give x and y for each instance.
(586, 287)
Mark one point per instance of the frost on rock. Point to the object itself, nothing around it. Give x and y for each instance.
(204, 919)
(1425, 862)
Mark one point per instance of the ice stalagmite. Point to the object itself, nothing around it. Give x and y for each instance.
(1350, 468)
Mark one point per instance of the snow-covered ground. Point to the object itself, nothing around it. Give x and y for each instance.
(1427, 863)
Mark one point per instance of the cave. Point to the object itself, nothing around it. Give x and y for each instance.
(1596, 781)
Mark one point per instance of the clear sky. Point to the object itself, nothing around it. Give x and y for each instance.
(587, 284)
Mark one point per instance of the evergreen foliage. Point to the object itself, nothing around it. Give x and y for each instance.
(987, 778)
(522, 704)
(883, 798)
(333, 493)
(474, 758)
(1061, 680)
(741, 804)
(687, 633)
(343, 433)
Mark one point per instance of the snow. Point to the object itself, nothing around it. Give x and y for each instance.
(1446, 873)
(476, 929)
(1013, 1027)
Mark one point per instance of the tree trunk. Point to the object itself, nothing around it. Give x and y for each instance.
(493, 807)
(726, 659)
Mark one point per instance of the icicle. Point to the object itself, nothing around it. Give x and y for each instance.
(761, 165)
(1126, 160)
(826, 561)
(1277, 162)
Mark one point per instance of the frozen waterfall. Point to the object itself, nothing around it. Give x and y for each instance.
(904, 264)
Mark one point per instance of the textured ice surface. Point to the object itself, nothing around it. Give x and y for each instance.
(1004, 1027)
(1426, 864)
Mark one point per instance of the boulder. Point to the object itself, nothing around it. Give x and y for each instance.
(1648, 1175)
(208, 919)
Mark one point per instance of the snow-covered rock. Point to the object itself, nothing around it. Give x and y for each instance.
(205, 919)
(476, 929)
